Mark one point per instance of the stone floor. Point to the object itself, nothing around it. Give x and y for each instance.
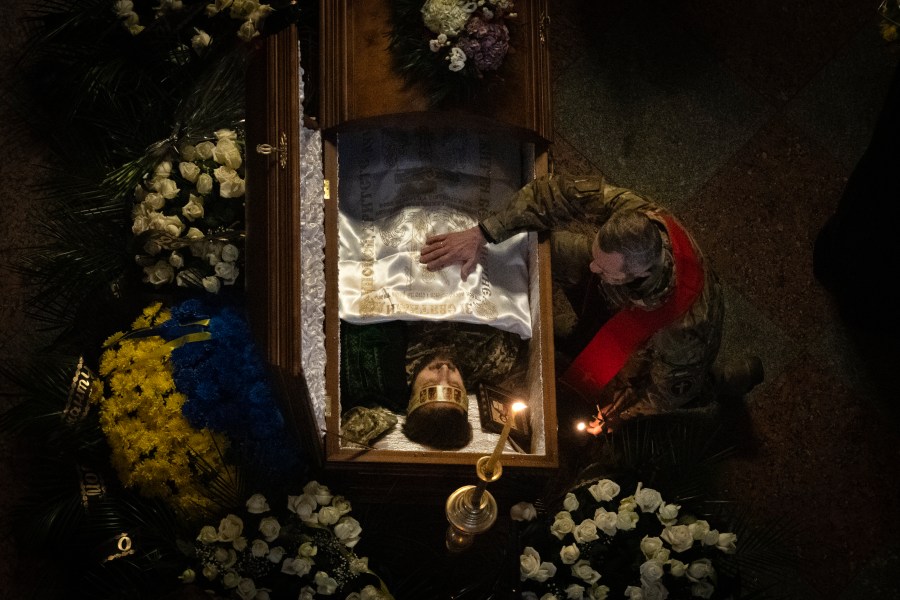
(746, 119)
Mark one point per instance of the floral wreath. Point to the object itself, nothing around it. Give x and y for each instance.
(450, 46)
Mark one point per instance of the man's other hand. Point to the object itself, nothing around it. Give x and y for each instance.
(444, 249)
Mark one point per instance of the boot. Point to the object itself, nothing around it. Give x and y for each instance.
(738, 378)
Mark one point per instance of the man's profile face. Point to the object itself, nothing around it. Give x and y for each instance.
(440, 371)
(610, 266)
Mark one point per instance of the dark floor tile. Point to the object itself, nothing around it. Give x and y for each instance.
(575, 25)
(654, 111)
(776, 47)
(840, 106)
(814, 442)
(757, 220)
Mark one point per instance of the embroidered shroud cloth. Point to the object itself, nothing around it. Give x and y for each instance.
(397, 187)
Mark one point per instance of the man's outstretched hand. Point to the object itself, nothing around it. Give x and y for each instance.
(466, 247)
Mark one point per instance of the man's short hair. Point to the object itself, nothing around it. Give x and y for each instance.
(635, 236)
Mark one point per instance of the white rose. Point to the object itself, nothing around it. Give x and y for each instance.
(141, 224)
(188, 576)
(651, 570)
(575, 592)
(122, 7)
(228, 272)
(153, 201)
(583, 570)
(606, 521)
(307, 549)
(700, 569)
(328, 515)
(303, 506)
(189, 170)
(163, 170)
(347, 530)
(650, 546)
(259, 548)
(359, 565)
(626, 520)
(227, 153)
(325, 585)
(523, 511)
(306, 593)
(654, 590)
(200, 40)
(727, 543)
(269, 527)
(159, 274)
(176, 260)
(569, 554)
(702, 589)
(230, 579)
(297, 566)
(204, 150)
(628, 503)
(204, 183)
(275, 554)
(193, 234)
(604, 490)
(230, 252)
(230, 528)
(339, 502)
(598, 592)
(586, 531)
(211, 284)
(208, 535)
(676, 567)
(210, 571)
(647, 499)
(678, 536)
(189, 153)
(167, 187)
(668, 513)
(171, 225)
(562, 524)
(247, 31)
(226, 134)
(246, 589)
(370, 592)
(232, 189)
(699, 529)
(240, 544)
(531, 567)
(634, 593)
(318, 491)
(711, 538)
(193, 210)
(257, 504)
(262, 594)
(571, 502)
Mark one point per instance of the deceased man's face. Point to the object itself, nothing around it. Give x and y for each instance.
(440, 371)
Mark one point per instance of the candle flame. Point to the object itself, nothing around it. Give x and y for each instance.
(518, 406)
(581, 426)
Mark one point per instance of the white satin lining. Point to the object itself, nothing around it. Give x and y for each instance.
(380, 277)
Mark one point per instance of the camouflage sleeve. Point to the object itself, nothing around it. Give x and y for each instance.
(553, 201)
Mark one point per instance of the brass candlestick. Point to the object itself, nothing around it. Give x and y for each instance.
(472, 509)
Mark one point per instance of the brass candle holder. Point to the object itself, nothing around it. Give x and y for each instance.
(472, 509)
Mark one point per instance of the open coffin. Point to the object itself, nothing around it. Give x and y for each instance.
(480, 153)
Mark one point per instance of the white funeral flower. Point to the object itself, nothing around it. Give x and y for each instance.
(668, 513)
(727, 543)
(318, 491)
(598, 592)
(247, 30)
(626, 520)
(562, 524)
(297, 566)
(246, 589)
(650, 546)
(700, 569)
(227, 272)
(230, 253)
(170, 225)
(523, 511)
(160, 273)
(586, 531)
(207, 535)
(569, 554)
(189, 170)
(570, 502)
(699, 529)
(275, 554)
(269, 527)
(651, 570)
(227, 153)
(678, 536)
(634, 593)
(604, 490)
(325, 584)
(647, 499)
(259, 548)
(230, 528)
(574, 592)
(167, 187)
(204, 150)
(303, 506)
(348, 530)
(231, 579)
(702, 589)
(676, 567)
(654, 590)
(606, 521)
(153, 201)
(257, 504)
(200, 40)
(193, 234)
(583, 570)
(308, 549)
(204, 183)
(193, 209)
(531, 567)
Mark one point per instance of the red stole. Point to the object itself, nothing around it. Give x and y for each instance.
(631, 327)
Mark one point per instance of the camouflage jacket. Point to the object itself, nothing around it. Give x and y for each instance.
(672, 368)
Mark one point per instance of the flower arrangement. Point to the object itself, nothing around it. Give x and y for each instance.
(249, 13)
(305, 552)
(184, 215)
(153, 448)
(605, 545)
(450, 44)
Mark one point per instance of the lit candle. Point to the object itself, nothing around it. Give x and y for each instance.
(581, 426)
(495, 456)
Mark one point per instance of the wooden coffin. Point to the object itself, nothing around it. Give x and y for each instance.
(360, 91)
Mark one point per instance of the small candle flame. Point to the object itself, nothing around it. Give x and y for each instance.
(518, 406)
(581, 426)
